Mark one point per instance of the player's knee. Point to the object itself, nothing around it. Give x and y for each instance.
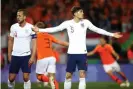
(82, 74)
(39, 77)
(109, 72)
(68, 75)
(26, 78)
(11, 79)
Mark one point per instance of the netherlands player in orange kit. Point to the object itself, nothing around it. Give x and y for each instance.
(109, 64)
(46, 61)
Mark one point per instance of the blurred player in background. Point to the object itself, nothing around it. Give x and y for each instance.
(77, 53)
(19, 50)
(109, 64)
(46, 61)
(130, 53)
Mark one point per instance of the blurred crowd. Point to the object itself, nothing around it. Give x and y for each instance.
(107, 14)
(111, 15)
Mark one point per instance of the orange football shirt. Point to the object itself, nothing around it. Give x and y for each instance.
(44, 45)
(105, 53)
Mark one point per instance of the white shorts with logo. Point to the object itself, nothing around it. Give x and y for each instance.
(46, 65)
(112, 67)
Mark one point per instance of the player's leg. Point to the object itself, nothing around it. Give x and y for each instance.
(109, 70)
(68, 81)
(51, 72)
(45, 84)
(41, 68)
(118, 70)
(82, 67)
(26, 71)
(39, 83)
(11, 80)
(13, 71)
(71, 66)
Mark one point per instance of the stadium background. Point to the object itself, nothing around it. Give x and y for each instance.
(111, 15)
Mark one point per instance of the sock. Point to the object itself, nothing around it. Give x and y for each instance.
(67, 84)
(44, 78)
(11, 84)
(123, 76)
(38, 81)
(27, 85)
(56, 84)
(82, 83)
(115, 78)
(51, 81)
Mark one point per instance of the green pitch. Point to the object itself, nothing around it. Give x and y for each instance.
(94, 85)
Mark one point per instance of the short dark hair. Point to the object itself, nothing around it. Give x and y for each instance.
(24, 11)
(106, 38)
(40, 25)
(75, 9)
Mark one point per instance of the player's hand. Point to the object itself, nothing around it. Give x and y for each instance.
(117, 57)
(117, 35)
(35, 29)
(31, 61)
(9, 58)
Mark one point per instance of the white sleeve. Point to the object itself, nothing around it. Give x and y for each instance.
(61, 27)
(11, 32)
(97, 30)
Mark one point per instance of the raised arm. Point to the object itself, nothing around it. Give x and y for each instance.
(101, 31)
(59, 42)
(61, 27)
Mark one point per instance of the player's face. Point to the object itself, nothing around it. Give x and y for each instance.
(20, 17)
(80, 14)
(102, 41)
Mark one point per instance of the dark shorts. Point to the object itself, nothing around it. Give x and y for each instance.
(18, 62)
(79, 60)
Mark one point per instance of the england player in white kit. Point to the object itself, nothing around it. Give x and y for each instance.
(19, 50)
(76, 29)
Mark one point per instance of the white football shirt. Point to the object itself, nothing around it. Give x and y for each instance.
(22, 39)
(77, 34)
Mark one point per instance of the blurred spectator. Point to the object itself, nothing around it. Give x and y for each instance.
(104, 22)
(130, 54)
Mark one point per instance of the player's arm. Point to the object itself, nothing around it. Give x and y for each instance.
(10, 46)
(92, 52)
(113, 52)
(10, 42)
(33, 53)
(59, 42)
(61, 27)
(101, 31)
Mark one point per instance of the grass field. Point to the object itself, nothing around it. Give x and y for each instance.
(94, 85)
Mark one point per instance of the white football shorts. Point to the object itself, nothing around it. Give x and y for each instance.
(46, 65)
(112, 67)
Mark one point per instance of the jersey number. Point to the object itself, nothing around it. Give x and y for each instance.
(72, 29)
(47, 43)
